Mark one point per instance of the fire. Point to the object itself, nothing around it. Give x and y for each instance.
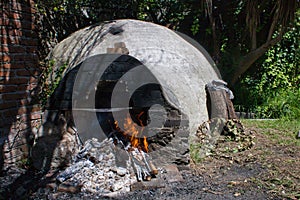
(145, 144)
(131, 131)
(117, 126)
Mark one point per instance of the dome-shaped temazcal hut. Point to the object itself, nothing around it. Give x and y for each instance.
(135, 81)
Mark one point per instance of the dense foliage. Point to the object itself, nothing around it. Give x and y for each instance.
(272, 91)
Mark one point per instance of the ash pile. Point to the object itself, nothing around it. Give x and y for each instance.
(94, 169)
(105, 168)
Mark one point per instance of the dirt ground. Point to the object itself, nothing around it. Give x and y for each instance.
(268, 170)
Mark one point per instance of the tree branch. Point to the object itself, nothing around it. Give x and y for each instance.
(251, 57)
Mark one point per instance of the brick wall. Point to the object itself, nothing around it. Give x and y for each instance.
(19, 70)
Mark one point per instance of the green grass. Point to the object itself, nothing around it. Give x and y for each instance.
(282, 131)
(281, 178)
(195, 154)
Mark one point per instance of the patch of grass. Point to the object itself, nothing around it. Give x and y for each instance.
(195, 152)
(275, 153)
(281, 131)
(278, 154)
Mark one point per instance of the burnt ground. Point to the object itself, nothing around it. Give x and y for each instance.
(268, 170)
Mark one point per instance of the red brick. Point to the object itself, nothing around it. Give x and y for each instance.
(3, 39)
(16, 24)
(16, 6)
(22, 87)
(31, 49)
(26, 8)
(5, 122)
(3, 30)
(14, 65)
(13, 39)
(25, 87)
(15, 32)
(33, 80)
(4, 49)
(5, 79)
(29, 42)
(28, 25)
(16, 49)
(17, 111)
(5, 66)
(23, 102)
(31, 86)
(7, 88)
(25, 72)
(8, 105)
(27, 17)
(4, 21)
(4, 73)
(30, 34)
(14, 96)
(5, 58)
(10, 113)
(32, 63)
(29, 7)
(22, 64)
(15, 15)
(18, 80)
(24, 57)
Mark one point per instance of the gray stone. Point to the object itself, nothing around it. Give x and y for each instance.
(117, 186)
(173, 174)
(121, 171)
(153, 184)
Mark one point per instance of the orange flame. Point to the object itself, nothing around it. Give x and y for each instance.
(145, 144)
(117, 125)
(132, 132)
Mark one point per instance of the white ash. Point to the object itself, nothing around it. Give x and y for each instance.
(96, 171)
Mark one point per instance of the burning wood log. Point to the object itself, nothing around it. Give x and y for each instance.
(137, 169)
(150, 166)
(143, 168)
(154, 170)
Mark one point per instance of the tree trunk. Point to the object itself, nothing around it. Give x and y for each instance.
(219, 104)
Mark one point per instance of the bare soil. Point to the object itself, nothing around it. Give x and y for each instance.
(268, 170)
